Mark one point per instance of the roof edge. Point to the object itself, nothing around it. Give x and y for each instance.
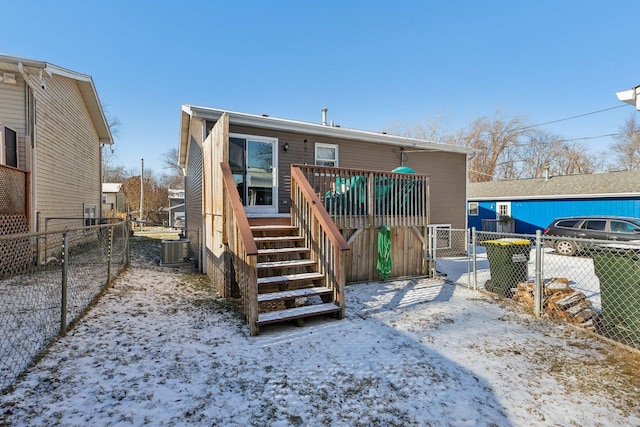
(320, 129)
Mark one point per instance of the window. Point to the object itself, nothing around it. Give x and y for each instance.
(570, 223)
(326, 155)
(623, 227)
(594, 225)
(90, 212)
(503, 209)
(8, 146)
(473, 208)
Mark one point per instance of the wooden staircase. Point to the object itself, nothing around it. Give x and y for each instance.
(289, 284)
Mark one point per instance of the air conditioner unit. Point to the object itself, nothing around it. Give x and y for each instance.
(175, 251)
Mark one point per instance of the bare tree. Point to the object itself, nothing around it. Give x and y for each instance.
(110, 171)
(174, 177)
(156, 195)
(495, 141)
(509, 148)
(627, 145)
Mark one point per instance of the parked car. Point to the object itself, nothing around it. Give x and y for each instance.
(616, 228)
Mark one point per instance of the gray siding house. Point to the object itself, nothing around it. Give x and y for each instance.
(261, 149)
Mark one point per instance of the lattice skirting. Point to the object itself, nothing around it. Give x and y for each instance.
(15, 254)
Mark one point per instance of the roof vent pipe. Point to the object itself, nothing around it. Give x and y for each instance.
(324, 116)
(546, 173)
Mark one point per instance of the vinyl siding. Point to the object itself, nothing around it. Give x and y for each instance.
(13, 113)
(193, 189)
(67, 172)
(447, 171)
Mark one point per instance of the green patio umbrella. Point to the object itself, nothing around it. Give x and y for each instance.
(384, 252)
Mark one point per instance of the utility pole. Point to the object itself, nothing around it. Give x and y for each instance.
(141, 192)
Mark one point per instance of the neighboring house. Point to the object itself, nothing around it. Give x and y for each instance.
(112, 199)
(176, 208)
(52, 127)
(286, 169)
(534, 203)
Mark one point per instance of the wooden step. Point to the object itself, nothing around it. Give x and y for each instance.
(280, 251)
(293, 294)
(297, 313)
(273, 227)
(286, 278)
(270, 239)
(270, 220)
(285, 264)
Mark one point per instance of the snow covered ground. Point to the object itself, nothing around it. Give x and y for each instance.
(159, 349)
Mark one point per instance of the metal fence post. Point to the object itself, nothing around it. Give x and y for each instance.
(474, 258)
(63, 300)
(110, 255)
(537, 294)
(127, 243)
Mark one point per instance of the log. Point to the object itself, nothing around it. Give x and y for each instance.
(571, 300)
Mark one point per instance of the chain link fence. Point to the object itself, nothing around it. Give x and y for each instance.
(48, 280)
(597, 289)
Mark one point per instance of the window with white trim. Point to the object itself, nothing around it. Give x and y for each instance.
(326, 154)
(473, 208)
(503, 209)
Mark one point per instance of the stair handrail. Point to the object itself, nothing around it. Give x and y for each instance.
(320, 212)
(241, 248)
(322, 236)
(240, 216)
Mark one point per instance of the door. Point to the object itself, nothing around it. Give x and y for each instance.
(254, 167)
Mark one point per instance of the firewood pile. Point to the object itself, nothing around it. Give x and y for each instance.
(560, 302)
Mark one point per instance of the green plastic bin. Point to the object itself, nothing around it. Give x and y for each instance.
(618, 268)
(508, 260)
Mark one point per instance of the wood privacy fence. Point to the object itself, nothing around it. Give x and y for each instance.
(358, 198)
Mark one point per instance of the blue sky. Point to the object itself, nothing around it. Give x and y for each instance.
(373, 64)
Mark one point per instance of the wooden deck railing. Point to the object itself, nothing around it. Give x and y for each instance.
(320, 234)
(364, 198)
(243, 251)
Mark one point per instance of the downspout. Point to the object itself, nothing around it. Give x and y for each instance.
(34, 181)
(466, 207)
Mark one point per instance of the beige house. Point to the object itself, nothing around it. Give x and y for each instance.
(53, 127)
(277, 209)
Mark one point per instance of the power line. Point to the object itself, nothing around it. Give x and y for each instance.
(567, 118)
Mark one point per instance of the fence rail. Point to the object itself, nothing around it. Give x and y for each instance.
(597, 289)
(41, 298)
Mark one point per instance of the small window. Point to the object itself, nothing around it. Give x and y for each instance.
(90, 212)
(594, 225)
(473, 208)
(623, 227)
(570, 223)
(326, 155)
(8, 146)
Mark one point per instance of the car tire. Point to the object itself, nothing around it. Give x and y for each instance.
(565, 247)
